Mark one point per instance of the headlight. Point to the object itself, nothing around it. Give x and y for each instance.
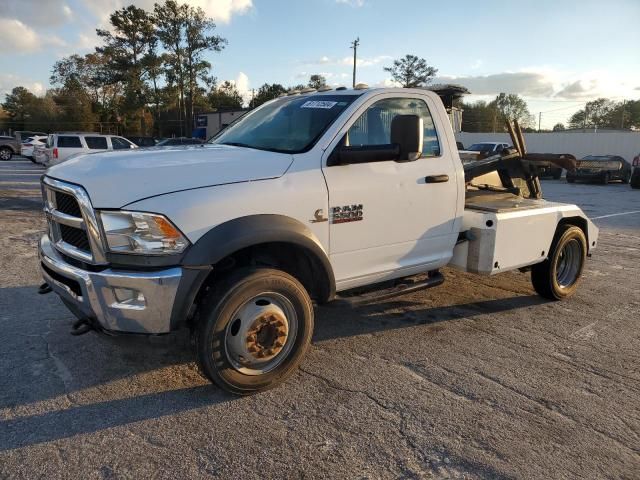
(141, 233)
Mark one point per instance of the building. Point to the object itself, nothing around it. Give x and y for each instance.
(207, 124)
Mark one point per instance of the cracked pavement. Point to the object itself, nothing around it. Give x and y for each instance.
(478, 378)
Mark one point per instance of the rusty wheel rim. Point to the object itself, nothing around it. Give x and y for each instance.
(261, 334)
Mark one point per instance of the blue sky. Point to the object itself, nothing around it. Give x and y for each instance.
(557, 54)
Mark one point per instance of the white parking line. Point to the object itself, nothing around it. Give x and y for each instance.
(615, 215)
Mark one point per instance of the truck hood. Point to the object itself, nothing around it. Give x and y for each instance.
(115, 179)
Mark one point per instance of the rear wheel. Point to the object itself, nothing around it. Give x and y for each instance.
(254, 328)
(605, 178)
(570, 179)
(557, 277)
(557, 174)
(5, 154)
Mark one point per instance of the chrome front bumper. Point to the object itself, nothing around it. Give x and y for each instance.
(119, 300)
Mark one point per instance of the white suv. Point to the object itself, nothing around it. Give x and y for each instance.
(61, 146)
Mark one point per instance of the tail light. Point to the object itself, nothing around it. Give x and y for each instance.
(55, 152)
(28, 144)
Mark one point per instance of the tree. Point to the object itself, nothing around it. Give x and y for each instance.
(225, 96)
(411, 71)
(124, 50)
(558, 127)
(512, 107)
(479, 117)
(19, 105)
(596, 113)
(265, 93)
(187, 34)
(317, 81)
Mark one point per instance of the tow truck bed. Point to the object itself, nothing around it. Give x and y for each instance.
(504, 232)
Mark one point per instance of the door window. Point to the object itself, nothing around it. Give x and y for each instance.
(69, 142)
(374, 125)
(96, 143)
(119, 143)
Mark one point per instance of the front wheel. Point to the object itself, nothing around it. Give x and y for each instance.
(5, 154)
(253, 330)
(557, 277)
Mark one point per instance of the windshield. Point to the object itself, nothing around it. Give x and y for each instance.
(289, 124)
(481, 147)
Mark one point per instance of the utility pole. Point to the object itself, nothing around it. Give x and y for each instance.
(586, 114)
(624, 102)
(539, 120)
(355, 45)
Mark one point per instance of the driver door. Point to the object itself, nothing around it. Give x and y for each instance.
(386, 219)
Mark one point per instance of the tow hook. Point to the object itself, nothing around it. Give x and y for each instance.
(81, 326)
(44, 289)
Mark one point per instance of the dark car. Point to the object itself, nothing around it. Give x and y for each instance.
(142, 141)
(635, 176)
(172, 142)
(602, 169)
(9, 146)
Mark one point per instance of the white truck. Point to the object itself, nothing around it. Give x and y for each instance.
(305, 199)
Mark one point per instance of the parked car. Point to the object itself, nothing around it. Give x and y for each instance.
(635, 176)
(40, 154)
(28, 146)
(60, 146)
(143, 141)
(487, 148)
(172, 142)
(602, 169)
(9, 146)
(481, 150)
(22, 135)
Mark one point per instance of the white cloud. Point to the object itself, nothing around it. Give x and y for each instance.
(45, 13)
(16, 37)
(220, 10)
(530, 84)
(348, 61)
(242, 83)
(8, 81)
(352, 3)
(364, 61)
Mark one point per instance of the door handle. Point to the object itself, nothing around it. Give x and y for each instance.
(436, 178)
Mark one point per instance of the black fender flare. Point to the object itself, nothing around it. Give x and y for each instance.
(239, 233)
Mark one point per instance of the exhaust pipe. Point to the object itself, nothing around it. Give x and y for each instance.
(44, 289)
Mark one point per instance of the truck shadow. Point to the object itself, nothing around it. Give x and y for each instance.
(52, 379)
(374, 318)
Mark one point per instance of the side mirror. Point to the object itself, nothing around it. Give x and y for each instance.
(407, 131)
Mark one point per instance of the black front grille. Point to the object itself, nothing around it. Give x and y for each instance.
(76, 237)
(66, 203)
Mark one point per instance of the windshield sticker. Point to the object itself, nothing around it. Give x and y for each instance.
(318, 104)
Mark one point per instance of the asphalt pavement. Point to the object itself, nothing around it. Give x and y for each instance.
(478, 378)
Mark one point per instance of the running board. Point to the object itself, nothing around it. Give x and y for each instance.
(403, 288)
